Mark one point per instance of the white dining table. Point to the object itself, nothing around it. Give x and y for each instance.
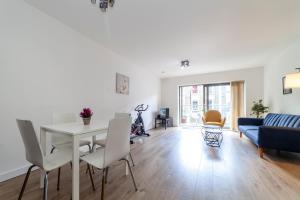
(75, 131)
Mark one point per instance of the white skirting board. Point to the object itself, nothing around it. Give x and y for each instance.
(14, 173)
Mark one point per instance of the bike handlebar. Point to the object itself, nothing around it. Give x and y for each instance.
(140, 108)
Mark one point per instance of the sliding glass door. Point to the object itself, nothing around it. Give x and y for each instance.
(195, 100)
(191, 104)
(218, 97)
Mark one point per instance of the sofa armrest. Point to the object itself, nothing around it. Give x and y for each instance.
(281, 138)
(250, 121)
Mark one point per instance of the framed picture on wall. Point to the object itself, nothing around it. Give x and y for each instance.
(284, 89)
(122, 84)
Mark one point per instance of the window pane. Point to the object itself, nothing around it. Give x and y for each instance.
(191, 105)
(196, 99)
(219, 99)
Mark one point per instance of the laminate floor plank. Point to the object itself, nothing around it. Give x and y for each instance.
(176, 164)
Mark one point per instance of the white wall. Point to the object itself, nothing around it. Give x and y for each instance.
(253, 78)
(285, 62)
(46, 67)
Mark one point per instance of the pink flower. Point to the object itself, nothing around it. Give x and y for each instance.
(86, 113)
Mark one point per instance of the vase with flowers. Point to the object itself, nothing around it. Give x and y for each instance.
(86, 115)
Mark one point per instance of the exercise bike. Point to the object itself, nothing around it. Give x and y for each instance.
(138, 127)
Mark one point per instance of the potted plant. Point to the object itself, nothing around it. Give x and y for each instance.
(258, 109)
(86, 115)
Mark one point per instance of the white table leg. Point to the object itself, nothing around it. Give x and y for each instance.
(75, 169)
(93, 142)
(43, 141)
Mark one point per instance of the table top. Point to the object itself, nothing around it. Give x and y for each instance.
(76, 128)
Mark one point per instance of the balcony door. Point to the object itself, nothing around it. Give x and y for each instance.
(195, 100)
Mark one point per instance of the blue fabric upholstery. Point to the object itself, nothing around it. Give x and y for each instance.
(252, 135)
(281, 138)
(276, 131)
(244, 128)
(282, 120)
(250, 121)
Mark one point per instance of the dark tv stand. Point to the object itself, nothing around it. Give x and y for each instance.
(163, 121)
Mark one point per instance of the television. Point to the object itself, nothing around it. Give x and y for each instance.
(164, 113)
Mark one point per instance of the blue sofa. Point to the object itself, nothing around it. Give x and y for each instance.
(275, 131)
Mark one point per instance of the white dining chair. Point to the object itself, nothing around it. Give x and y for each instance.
(35, 156)
(101, 142)
(59, 141)
(117, 148)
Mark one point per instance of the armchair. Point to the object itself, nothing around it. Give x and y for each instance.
(213, 117)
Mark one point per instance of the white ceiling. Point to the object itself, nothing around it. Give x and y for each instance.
(215, 35)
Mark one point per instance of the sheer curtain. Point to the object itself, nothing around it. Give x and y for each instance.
(237, 102)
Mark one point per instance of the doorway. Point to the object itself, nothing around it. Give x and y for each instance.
(195, 100)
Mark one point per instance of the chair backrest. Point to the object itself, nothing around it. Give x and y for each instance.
(32, 147)
(64, 118)
(213, 116)
(61, 118)
(122, 115)
(118, 138)
(282, 120)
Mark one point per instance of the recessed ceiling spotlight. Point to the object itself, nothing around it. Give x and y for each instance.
(185, 64)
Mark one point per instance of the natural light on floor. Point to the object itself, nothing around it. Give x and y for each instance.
(190, 151)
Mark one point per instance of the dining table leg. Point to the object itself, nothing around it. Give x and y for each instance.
(43, 142)
(75, 169)
(94, 138)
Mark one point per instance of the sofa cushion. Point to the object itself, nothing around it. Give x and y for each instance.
(244, 128)
(282, 120)
(252, 135)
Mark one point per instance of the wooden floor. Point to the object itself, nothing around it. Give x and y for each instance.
(177, 164)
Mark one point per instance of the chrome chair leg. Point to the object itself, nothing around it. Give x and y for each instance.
(46, 187)
(90, 148)
(131, 159)
(86, 171)
(106, 174)
(52, 150)
(58, 179)
(93, 147)
(91, 177)
(132, 177)
(103, 183)
(25, 181)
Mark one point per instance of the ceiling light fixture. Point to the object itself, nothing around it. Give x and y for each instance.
(103, 4)
(185, 64)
